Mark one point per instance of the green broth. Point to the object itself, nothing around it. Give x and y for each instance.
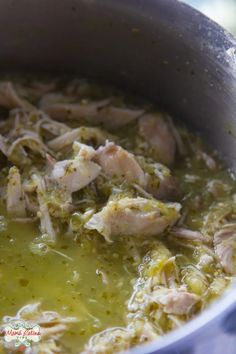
(70, 287)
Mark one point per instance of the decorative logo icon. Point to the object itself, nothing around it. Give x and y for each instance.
(22, 333)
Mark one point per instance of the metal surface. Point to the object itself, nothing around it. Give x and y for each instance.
(161, 49)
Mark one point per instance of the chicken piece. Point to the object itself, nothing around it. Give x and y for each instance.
(177, 136)
(159, 269)
(50, 162)
(100, 112)
(119, 339)
(116, 117)
(174, 301)
(3, 145)
(209, 161)
(38, 88)
(144, 330)
(225, 246)
(196, 281)
(68, 176)
(156, 263)
(16, 205)
(52, 327)
(158, 135)
(218, 189)
(46, 224)
(201, 155)
(17, 153)
(84, 151)
(75, 174)
(134, 216)
(59, 200)
(59, 196)
(3, 151)
(63, 110)
(64, 140)
(117, 162)
(47, 346)
(217, 216)
(50, 99)
(35, 123)
(159, 180)
(109, 341)
(189, 235)
(83, 134)
(52, 127)
(32, 90)
(9, 97)
(34, 313)
(218, 286)
(166, 190)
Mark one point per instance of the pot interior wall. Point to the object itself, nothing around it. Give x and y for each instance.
(161, 49)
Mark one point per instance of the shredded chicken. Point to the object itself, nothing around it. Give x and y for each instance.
(167, 188)
(115, 117)
(50, 346)
(49, 99)
(84, 151)
(202, 155)
(176, 134)
(217, 216)
(174, 301)
(64, 111)
(100, 112)
(158, 135)
(46, 224)
(209, 161)
(34, 313)
(16, 205)
(118, 339)
(180, 232)
(137, 216)
(159, 180)
(83, 134)
(53, 127)
(17, 153)
(9, 97)
(218, 188)
(52, 327)
(225, 246)
(117, 162)
(109, 341)
(75, 174)
(3, 145)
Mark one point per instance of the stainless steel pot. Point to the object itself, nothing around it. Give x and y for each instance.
(161, 49)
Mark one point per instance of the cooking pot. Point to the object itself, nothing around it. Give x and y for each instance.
(161, 49)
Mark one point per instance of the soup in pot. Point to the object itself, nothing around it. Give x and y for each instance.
(117, 224)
